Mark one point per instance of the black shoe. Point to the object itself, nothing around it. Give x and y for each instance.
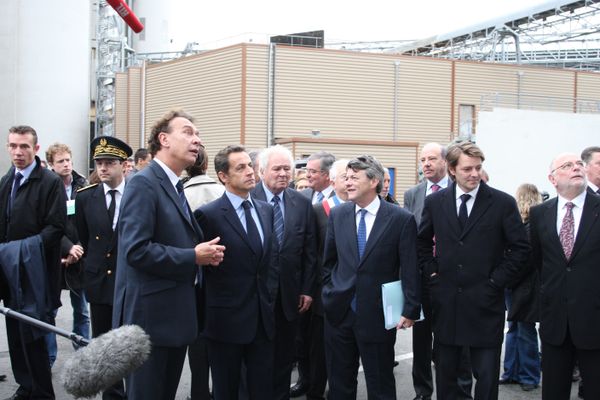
(299, 389)
(528, 387)
(421, 397)
(507, 381)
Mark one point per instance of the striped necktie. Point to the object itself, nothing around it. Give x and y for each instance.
(277, 218)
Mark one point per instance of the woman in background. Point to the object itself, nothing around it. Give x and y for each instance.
(521, 348)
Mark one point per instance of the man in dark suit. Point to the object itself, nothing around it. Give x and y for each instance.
(480, 248)
(433, 165)
(317, 175)
(294, 227)
(32, 202)
(239, 323)
(97, 215)
(565, 237)
(369, 242)
(313, 365)
(159, 258)
(591, 158)
(60, 160)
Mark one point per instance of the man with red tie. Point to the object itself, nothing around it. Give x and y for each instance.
(565, 238)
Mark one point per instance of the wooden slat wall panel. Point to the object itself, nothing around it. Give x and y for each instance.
(549, 88)
(346, 94)
(208, 86)
(121, 105)
(425, 95)
(257, 66)
(134, 108)
(472, 80)
(588, 86)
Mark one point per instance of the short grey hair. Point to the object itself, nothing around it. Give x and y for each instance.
(265, 155)
(327, 160)
(373, 168)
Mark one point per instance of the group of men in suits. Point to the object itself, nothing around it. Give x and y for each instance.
(246, 267)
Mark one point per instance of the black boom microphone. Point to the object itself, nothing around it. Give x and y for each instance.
(102, 361)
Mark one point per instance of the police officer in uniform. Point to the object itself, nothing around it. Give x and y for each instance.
(97, 215)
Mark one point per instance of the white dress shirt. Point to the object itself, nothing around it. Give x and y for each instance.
(372, 209)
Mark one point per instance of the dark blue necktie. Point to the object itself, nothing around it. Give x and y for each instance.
(361, 240)
(277, 218)
(13, 193)
(361, 233)
(183, 200)
(251, 229)
(462, 211)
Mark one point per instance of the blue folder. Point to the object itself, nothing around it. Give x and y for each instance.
(392, 298)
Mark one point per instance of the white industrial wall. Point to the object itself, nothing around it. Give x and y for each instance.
(519, 145)
(45, 73)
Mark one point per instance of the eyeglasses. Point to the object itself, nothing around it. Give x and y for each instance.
(313, 171)
(569, 165)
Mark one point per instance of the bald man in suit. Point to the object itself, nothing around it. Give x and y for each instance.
(565, 237)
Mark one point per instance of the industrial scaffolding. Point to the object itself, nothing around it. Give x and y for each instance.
(562, 34)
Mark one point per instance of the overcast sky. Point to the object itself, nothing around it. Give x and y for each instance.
(217, 23)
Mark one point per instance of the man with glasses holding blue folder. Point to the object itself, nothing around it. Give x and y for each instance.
(369, 242)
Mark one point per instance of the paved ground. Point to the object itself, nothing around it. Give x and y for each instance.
(402, 372)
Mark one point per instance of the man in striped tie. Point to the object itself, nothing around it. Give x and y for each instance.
(294, 227)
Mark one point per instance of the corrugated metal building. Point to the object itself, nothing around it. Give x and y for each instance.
(348, 103)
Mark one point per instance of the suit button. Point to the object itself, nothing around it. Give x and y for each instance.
(460, 243)
(107, 255)
(97, 237)
(460, 266)
(459, 290)
(109, 272)
(568, 269)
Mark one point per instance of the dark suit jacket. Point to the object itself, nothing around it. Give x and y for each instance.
(390, 254)
(570, 289)
(321, 219)
(473, 266)
(414, 199)
(297, 255)
(39, 208)
(241, 291)
(72, 276)
(156, 264)
(99, 243)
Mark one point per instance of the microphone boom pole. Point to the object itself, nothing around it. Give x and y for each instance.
(72, 336)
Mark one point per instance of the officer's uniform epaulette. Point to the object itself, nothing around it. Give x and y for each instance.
(93, 185)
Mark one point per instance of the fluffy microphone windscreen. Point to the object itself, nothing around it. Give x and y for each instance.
(106, 360)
